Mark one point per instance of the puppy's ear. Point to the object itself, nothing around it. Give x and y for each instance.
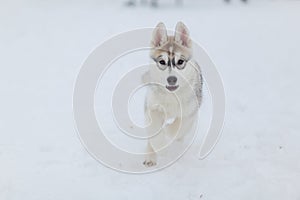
(182, 35)
(159, 36)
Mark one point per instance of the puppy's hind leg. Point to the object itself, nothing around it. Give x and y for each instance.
(181, 127)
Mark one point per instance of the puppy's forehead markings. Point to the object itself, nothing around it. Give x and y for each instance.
(171, 50)
(164, 55)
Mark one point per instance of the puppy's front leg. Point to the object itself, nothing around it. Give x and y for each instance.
(155, 132)
(150, 156)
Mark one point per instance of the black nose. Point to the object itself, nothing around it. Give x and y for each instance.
(172, 80)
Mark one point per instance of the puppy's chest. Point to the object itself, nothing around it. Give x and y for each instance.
(173, 105)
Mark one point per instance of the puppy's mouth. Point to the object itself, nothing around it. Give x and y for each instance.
(172, 87)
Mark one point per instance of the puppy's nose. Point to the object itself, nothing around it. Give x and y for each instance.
(172, 80)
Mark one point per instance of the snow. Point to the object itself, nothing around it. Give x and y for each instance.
(256, 49)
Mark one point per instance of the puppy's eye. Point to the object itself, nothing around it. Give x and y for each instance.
(162, 62)
(180, 62)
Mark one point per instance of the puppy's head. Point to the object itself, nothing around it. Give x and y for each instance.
(171, 55)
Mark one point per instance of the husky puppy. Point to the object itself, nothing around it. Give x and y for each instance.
(170, 106)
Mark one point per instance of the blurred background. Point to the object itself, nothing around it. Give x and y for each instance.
(255, 46)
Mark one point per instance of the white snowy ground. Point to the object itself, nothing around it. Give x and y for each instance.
(256, 49)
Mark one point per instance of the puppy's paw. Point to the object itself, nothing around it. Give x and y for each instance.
(149, 163)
